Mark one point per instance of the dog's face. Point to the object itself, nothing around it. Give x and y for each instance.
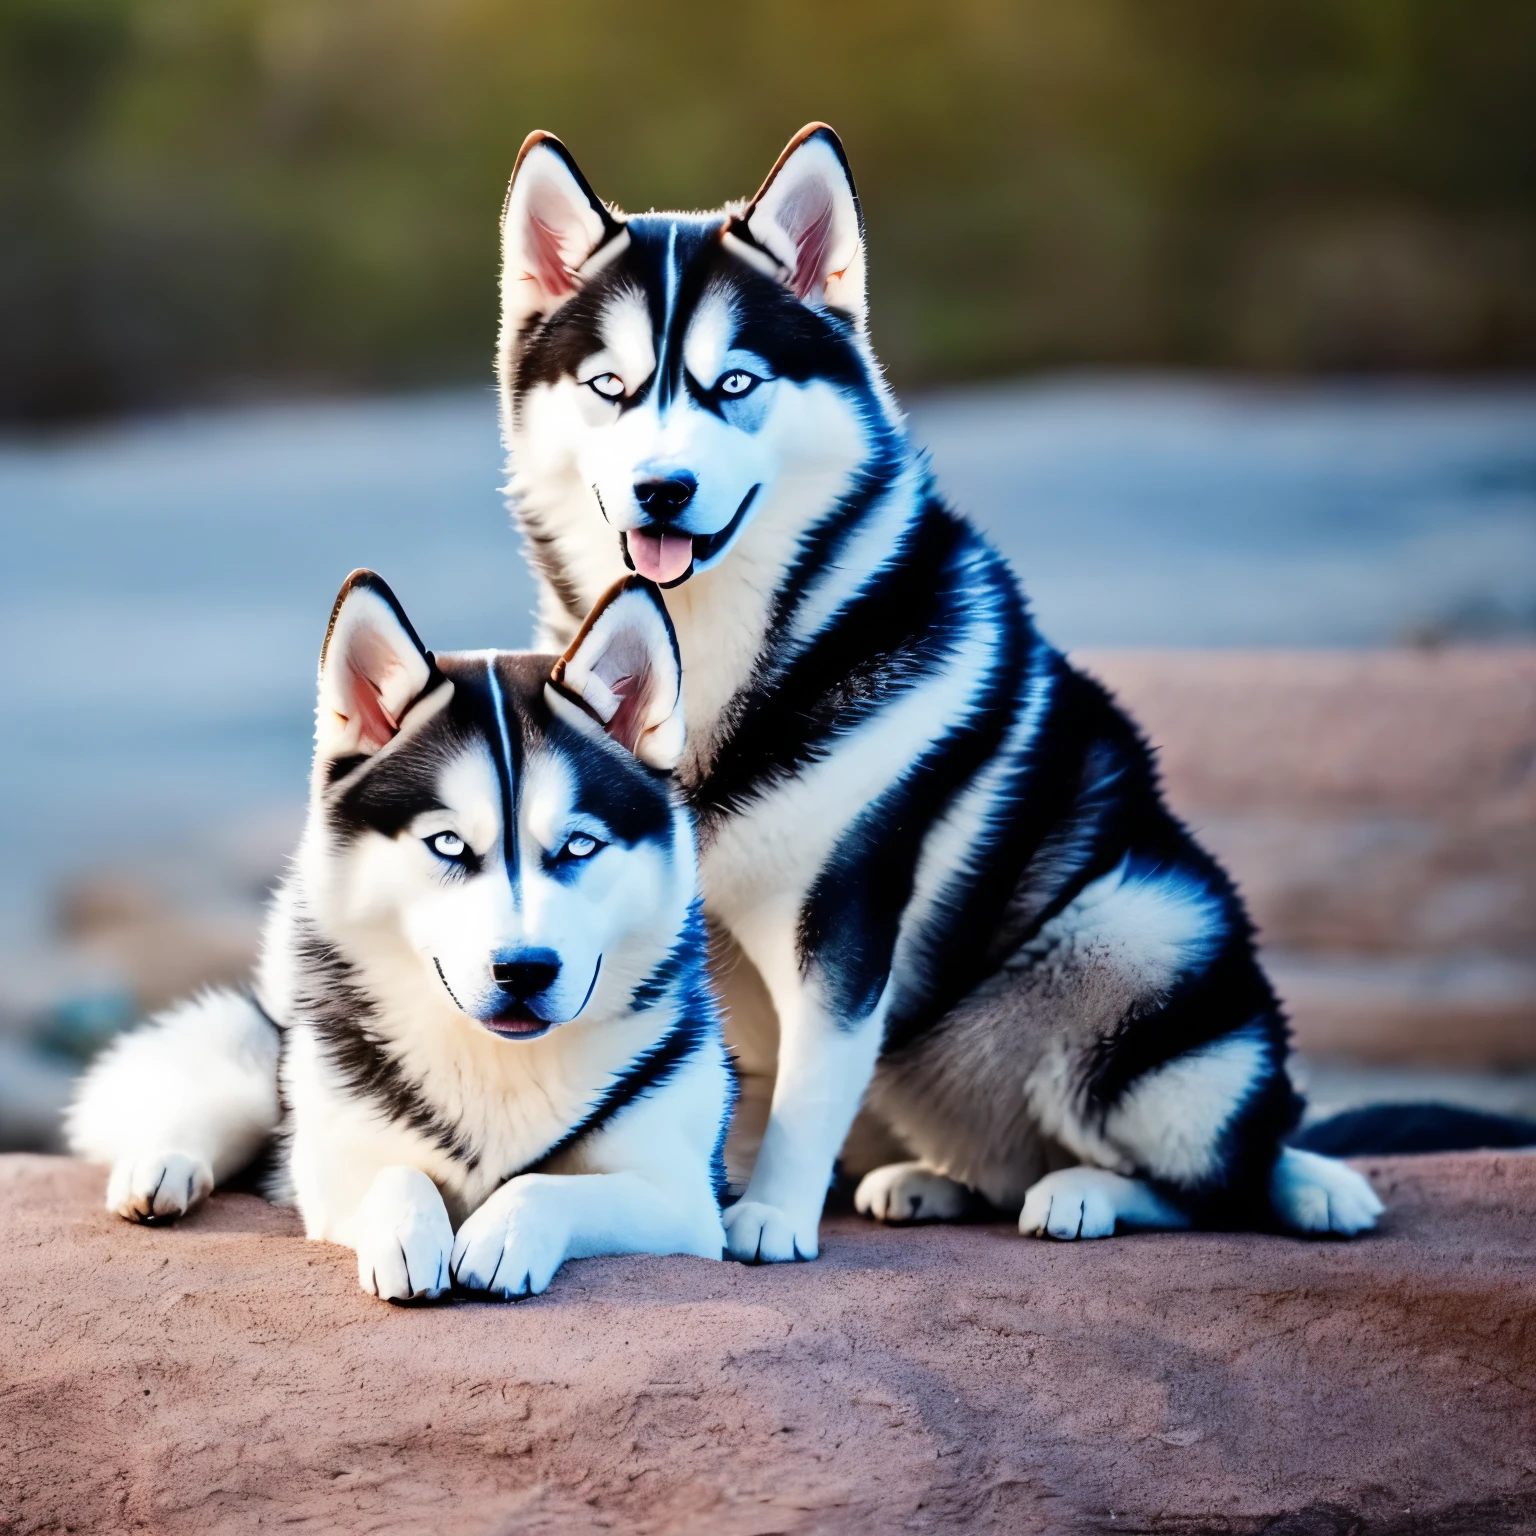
(666, 378)
(503, 822)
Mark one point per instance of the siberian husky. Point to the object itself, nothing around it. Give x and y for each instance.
(943, 848)
(482, 1006)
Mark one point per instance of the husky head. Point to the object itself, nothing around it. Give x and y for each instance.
(495, 828)
(675, 386)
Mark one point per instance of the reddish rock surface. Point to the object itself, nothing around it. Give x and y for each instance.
(225, 1375)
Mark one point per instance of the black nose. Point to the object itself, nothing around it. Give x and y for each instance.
(662, 500)
(526, 972)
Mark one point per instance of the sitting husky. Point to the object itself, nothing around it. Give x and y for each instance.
(482, 1004)
(942, 847)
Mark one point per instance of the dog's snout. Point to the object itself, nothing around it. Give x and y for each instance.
(664, 498)
(525, 973)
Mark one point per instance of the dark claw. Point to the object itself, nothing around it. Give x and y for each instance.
(490, 1284)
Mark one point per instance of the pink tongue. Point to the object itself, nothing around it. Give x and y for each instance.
(661, 557)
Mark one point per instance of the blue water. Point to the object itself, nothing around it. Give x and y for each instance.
(166, 584)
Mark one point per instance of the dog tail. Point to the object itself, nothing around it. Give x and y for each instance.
(1390, 1130)
(198, 1082)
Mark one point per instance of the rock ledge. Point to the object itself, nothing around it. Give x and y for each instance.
(226, 1375)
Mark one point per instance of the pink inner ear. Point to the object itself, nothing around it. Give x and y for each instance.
(370, 665)
(808, 217)
(546, 255)
(375, 724)
(625, 668)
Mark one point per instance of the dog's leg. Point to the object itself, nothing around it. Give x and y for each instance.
(825, 1064)
(514, 1244)
(1319, 1194)
(644, 1184)
(1092, 1202)
(907, 1192)
(403, 1237)
(363, 1184)
(364, 1181)
(752, 1029)
(178, 1105)
(1202, 1127)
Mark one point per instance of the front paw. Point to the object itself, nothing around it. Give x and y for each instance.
(757, 1233)
(910, 1192)
(405, 1237)
(512, 1246)
(158, 1187)
(1070, 1204)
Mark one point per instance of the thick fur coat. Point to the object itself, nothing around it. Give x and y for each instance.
(943, 847)
(481, 1040)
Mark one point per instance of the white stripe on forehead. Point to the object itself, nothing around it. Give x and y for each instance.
(501, 714)
(711, 331)
(666, 323)
(508, 773)
(625, 326)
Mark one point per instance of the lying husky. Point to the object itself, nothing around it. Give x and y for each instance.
(482, 1003)
(943, 848)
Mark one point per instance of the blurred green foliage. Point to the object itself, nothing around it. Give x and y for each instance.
(201, 198)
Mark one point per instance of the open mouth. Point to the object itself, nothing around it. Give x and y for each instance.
(517, 1024)
(517, 1021)
(669, 559)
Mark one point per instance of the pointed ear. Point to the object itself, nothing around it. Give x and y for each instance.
(623, 675)
(551, 227)
(806, 217)
(373, 667)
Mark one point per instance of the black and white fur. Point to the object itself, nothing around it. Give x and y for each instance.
(943, 848)
(482, 1030)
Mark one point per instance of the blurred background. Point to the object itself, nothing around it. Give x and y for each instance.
(1220, 318)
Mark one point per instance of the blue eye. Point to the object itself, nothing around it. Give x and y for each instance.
(738, 382)
(446, 845)
(609, 385)
(579, 846)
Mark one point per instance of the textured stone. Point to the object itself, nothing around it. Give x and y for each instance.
(225, 1375)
